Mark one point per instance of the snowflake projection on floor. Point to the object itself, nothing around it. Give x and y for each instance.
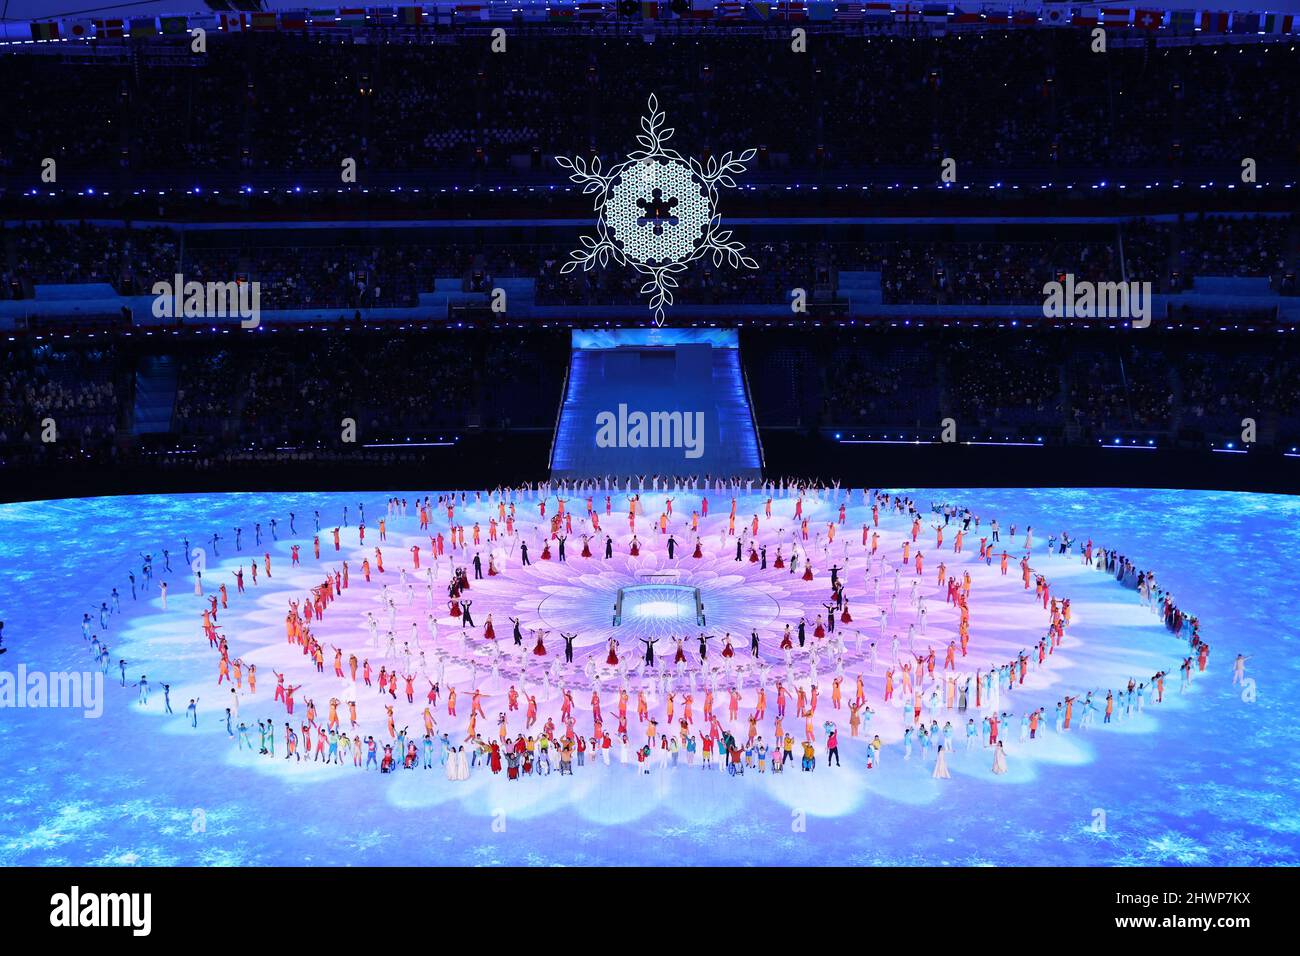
(1221, 802)
(733, 601)
(657, 211)
(579, 598)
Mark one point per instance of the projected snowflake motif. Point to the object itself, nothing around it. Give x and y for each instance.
(657, 211)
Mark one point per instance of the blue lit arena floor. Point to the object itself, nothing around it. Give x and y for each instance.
(1207, 777)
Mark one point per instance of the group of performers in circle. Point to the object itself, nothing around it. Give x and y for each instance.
(909, 677)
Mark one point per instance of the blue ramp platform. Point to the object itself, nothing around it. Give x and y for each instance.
(656, 401)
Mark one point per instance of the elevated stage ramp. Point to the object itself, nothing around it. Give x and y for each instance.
(655, 401)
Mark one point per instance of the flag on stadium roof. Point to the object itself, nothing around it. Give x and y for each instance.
(1279, 23)
(113, 29)
(1149, 19)
(45, 31)
(1214, 22)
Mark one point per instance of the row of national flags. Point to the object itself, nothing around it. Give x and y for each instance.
(726, 11)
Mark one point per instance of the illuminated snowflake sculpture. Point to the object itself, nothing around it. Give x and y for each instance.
(657, 211)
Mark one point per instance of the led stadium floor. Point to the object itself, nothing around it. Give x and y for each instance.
(1204, 777)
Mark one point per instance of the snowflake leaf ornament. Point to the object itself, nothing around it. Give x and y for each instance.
(657, 211)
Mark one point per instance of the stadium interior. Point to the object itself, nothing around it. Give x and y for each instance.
(426, 299)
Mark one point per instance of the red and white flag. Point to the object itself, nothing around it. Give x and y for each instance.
(1149, 19)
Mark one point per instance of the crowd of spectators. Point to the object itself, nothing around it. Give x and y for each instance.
(985, 273)
(283, 393)
(394, 270)
(1221, 246)
(1219, 390)
(252, 396)
(1120, 391)
(129, 259)
(206, 389)
(872, 385)
(1015, 100)
(60, 404)
(522, 380)
(1016, 386)
(1040, 386)
(291, 395)
(1170, 252)
(310, 277)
